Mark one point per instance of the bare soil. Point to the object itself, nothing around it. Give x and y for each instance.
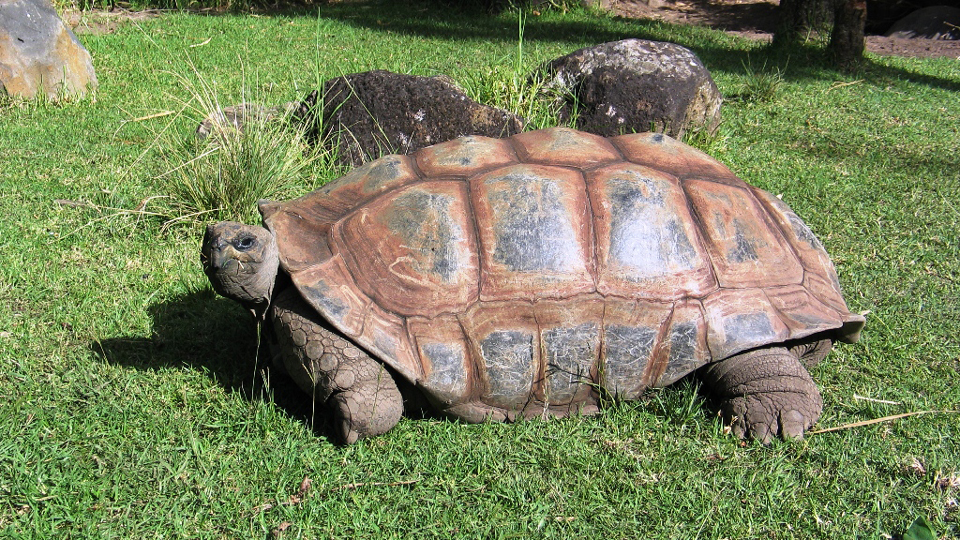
(756, 19)
(101, 21)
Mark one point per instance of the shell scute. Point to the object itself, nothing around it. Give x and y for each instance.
(413, 250)
(302, 226)
(631, 345)
(648, 245)
(446, 359)
(565, 147)
(506, 349)
(801, 311)
(464, 157)
(745, 249)
(330, 289)
(365, 182)
(807, 246)
(685, 342)
(385, 335)
(741, 319)
(535, 235)
(665, 154)
(569, 334)
(826, 291)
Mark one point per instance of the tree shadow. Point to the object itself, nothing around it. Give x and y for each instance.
(474, 20)
(436, 19)
(806, 62)
(430, 19)
(202, 332)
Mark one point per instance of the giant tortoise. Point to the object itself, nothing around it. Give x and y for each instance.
(539, 275)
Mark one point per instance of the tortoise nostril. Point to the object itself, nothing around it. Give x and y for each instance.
(217, 261)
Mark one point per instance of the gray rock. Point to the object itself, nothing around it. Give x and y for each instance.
(40, 53)
(634, 85)
(934, 22)
(236, 117)
(370, 114)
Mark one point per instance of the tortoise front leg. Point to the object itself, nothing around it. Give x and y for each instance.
(361, 392)
(812, 351)
(765, 393)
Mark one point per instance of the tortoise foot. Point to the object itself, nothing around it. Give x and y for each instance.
(369, 405)
(765, 393)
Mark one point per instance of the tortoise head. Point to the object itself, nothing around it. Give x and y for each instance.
(241, 262)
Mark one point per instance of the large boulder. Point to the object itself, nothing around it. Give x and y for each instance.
(634, 85)
(934, 22)
(881, 14)
(370, 114)
(39, 53)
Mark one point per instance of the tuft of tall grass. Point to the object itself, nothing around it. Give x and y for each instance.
(224, 175)
(760, 85)
(512, 88)
(713, 143)
(239, 155)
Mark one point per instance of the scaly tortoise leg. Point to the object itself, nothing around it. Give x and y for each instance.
(362, 393)
(765, 393)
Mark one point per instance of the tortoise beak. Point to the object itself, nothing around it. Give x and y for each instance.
(215, 261)
(213, 254)
(219, 259)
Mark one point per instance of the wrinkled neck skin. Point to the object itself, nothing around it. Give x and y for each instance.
(241, 262)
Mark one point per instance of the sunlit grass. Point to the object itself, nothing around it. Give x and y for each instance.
(135, 405)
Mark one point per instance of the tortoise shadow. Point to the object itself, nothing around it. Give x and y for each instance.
(200, 331)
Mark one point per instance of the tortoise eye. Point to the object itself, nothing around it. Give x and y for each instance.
(245, 243)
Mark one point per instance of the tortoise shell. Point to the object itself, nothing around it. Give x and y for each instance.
(515, 275)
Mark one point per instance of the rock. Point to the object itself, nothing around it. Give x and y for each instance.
(881, 14)
(370, 114)
(235, 117)
(634, 85)
(935, 22)
(40, 53)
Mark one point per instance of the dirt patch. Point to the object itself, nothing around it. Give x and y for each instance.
(918, 48)
(98, 22)
(756, 19)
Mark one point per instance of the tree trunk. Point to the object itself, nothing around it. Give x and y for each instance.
(797, 18)
(847, 39)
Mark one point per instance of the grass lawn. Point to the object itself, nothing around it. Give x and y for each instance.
(133, 405)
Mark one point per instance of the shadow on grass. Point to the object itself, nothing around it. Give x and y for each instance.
(436, 19)
(202, 332)
(471, 20)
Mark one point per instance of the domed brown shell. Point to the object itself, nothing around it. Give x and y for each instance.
(514, 275)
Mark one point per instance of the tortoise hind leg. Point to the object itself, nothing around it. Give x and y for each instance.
(362, 393)
(764, 393)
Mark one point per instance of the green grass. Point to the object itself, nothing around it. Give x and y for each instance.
(222, 174)
(133, 406)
